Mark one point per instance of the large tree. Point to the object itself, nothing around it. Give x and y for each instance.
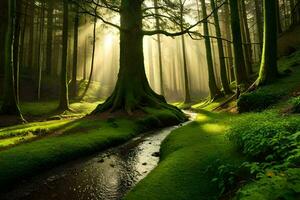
(132, 91)
(268, 68)
(10, 105)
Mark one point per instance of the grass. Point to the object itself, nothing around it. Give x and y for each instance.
(188, 153)
(185, 157)
(59, 141)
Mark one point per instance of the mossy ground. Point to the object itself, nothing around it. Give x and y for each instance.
(27, 149)
(189, 151)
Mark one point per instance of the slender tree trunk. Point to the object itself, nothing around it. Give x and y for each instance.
(85, 54)
(40, 50)
(31, 36)
(268, 69)
(49, 37)
(93, 56)
(10, 104)
(239, 59)
(247, 41)
(75, 54)
(229, 45)
(132, 91)
(22, 42)
(64, 98)
(224, 79)
(187, 98)
(277, 16)
(293, 15)
(159, 51)
(16, 49)
(213, 89)
(259, 24)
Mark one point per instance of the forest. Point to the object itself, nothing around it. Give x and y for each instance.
(149, 99)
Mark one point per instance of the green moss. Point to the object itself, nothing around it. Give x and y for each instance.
(185, 157)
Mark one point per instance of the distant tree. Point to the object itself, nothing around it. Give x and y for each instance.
(64, 98)
(239, 58)
(10, 105)
(214, 92)
(49, 47)
(259, 23)
(224, 78)
(268, 68)
(75, 53)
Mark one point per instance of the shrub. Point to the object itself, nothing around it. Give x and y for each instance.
(296, 105)
(256, 101)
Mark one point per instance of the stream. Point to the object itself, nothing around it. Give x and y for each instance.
(108, 175)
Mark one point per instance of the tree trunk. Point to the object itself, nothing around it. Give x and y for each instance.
(40, 50)
(75, 54)
(277, 16)
(247, 41)
(49, 37)
(10, 105)
(229, 45)
(64, 99)
(93, 57)
(213, 89)
(16, 49)
(187, 98)
(224, 79)
(259, 24)
(239, 59)
(31, 36)
(159, 51)
(268, 69)
(132, 91)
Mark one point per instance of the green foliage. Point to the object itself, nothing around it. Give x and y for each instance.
(275, 185)
(296, 105)
(256, 101)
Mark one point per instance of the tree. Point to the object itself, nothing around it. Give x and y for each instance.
(259, 24)
(224, 78)
(49, 37)
(213, 88)
(239, 59)
(75, 53)
(268, 68)
(10, 105)
(159, 50)
(64, 98)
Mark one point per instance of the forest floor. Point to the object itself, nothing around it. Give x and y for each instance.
(198, 161)
(27, 149)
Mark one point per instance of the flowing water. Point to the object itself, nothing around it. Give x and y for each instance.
(105, 176)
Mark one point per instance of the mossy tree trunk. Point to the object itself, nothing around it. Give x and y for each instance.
(239, 58)
(132, 91)
(268, 68)
(224, 78)
(214, 92)
(64, 98)
(10, 105)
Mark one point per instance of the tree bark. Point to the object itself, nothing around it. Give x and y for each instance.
(268, 69)
(31, 36)
(64, 98)
(75, 54)
(239, 59)
(224, 79)
(159, 51)
(49, 37)
(259, 24)
(277, 16)
(10, 104)
(132, 91)
(213, 89)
